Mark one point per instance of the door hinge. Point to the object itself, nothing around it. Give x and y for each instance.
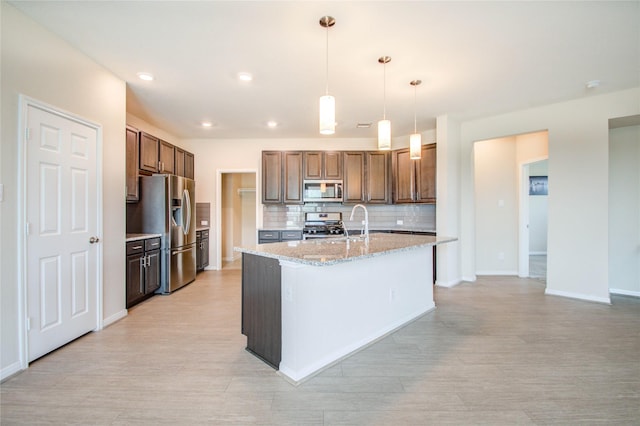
(27, 133)
(27, 228)
(28, 324)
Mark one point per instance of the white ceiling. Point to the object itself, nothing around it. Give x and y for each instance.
(474, 58)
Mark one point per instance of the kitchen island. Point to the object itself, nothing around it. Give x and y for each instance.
(307, 304)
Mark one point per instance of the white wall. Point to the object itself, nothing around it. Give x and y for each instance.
(40, 65)
(578, 261)
(624, 210)
(496, 219)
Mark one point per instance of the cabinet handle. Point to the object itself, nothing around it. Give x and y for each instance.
(136, 247)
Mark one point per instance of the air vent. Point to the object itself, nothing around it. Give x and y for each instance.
(363, 125)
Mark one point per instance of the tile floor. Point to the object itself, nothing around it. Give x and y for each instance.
(494, 352)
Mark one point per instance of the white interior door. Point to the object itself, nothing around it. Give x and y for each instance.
(62, 228)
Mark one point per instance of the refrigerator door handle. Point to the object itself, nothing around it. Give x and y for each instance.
(173, 253)
(186, 218)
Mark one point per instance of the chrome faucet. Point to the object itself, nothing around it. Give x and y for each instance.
(366, 219)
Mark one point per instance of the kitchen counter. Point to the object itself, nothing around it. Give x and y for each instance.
(330, 251)
(138, 237)
(307, 304)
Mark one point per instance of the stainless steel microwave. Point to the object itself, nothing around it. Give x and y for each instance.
(322, 191)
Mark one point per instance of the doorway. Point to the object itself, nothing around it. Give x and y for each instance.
(533, 219)
(237, 213)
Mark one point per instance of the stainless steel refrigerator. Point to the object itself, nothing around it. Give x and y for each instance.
(167, 207)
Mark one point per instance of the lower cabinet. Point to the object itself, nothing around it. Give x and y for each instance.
(202, 249)
(277, 236)
(143, 270)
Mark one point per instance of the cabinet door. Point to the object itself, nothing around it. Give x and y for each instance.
(152, 272)
(167, 158)
(332, 168)
(198, 250)
(313, 165)
(403, 177)
(189, 168)
(292, 193)
(377, 175)
(271, 177)
(353, 177)
(205, 252)
(132, 164)
(426, 175)
(148, 152)
(135, 278)
(179, 161)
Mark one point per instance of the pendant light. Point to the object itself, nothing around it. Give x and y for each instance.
(384, 125)
(415, 140)
(327, 102)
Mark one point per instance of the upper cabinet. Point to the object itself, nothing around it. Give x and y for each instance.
(366, 177)
(322, 165)
(149, 154)
(414, 181)
(282, 177)
(132, 164)
(166, 158)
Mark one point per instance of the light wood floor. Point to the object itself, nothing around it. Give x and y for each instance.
(495, 352)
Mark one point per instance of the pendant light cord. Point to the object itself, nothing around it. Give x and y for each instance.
(384, 90)
(327, 61)
(415, 126)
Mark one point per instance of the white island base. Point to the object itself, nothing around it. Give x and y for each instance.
(329, 312)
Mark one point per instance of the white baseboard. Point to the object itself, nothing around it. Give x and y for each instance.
(210, 268)
(114, 318)
(497, 273)
(470, 279)
(448, 284)
(579, 296)
(10, 370)
(624, 292)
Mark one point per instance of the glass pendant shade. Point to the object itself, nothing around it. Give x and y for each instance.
(327, 115)
(384, 135)
(415, 146)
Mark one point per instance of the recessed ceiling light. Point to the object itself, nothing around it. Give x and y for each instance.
(146, 76)
(272, 124)
(245, 76)
(206, 124)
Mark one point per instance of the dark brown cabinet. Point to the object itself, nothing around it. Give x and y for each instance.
(148, 152)
(202, 249)
(179, 161)
(266, 236)
(366, 177)
(132, 164)
(282, 177)
(166, 158)
(322, 165)
(414, 181)
(262, 307)
(189, 169)
(143, 270)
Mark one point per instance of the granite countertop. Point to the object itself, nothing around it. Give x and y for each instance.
(330, 251)
(137, 237)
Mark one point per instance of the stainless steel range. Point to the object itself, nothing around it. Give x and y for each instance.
(322, 225)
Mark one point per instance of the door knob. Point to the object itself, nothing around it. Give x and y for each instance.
(93, 240)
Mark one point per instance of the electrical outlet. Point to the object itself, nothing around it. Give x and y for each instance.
(204, 222)
(501, 256)
(399, 222)
(392, 294)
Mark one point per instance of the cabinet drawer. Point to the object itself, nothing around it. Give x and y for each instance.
(269, 235)
(290, 235)
(135, 247)
(152, 244)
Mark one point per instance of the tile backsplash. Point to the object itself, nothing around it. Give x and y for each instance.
(412, 216)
